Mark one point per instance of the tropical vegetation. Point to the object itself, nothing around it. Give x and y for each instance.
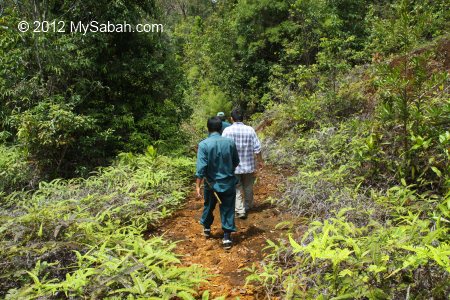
(97, 133)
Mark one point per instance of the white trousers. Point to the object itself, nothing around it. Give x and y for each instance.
(245, 186)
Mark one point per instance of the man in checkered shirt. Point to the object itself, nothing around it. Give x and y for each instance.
(248, 146)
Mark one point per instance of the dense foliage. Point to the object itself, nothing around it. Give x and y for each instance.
(353, 95)
(371, 149)
(72, 101)
(84, 237)
(246, 49)
(14, 171)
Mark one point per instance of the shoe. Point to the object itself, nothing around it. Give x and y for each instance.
(207, 232)
(226, 242)
(241, 216)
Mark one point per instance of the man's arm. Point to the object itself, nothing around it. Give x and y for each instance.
(257, 150)
(202, 163)
(198, 185)
(235, 156)
(259, 160)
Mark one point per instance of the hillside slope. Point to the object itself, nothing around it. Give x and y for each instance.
(373, 179)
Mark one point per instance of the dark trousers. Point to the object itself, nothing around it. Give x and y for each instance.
(228, 199)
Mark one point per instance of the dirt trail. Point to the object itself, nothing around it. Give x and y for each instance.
(248, 241)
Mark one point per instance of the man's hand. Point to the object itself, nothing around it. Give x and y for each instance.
(260, 165)
(260, 161)
(198, 187)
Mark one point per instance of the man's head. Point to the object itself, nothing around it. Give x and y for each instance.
(221, 115)
(214, 124)
(236, 115)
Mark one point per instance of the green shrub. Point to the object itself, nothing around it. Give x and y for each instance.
(372, 178)
(15, 171)
(337, 259)
(79, 100)
(412, 119)
(124, 265)
(83, 237)
(401, 24)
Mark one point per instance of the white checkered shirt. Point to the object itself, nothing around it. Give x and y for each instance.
(247, 144)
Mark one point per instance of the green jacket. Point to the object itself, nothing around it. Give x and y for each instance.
(217, 158)
(225, 124)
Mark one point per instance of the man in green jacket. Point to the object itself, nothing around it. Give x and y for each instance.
(217, 158)
(225, 124)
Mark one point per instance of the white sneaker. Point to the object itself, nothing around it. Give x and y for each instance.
(241, 216)
(226, 242)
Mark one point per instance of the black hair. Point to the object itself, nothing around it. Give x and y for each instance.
(214, 124)
(237, 116)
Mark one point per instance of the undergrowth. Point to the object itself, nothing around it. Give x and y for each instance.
(15, 172)
(406, 253)
(372, 182)
(84, 237)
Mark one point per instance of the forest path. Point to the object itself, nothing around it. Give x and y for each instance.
(227, 266)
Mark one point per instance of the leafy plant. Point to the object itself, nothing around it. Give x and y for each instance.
(85, 236)
(15, 172)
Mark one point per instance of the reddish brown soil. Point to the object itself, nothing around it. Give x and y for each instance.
(227, 266)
